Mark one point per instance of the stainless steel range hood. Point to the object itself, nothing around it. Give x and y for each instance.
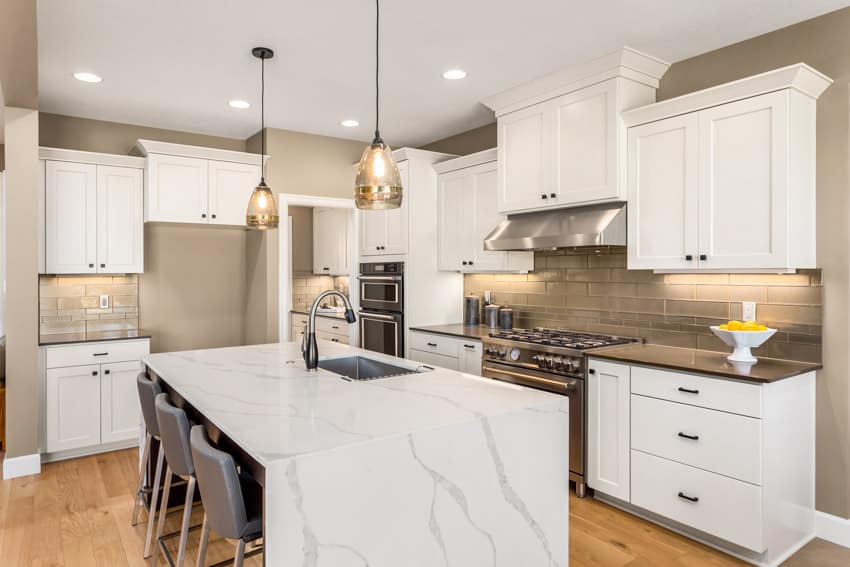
(591, 226)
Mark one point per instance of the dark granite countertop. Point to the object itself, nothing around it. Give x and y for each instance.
(705, 362)
(92, 337)
(456, 330)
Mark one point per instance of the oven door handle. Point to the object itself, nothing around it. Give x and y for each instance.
(569, 386)
(364, 315)
(380, 278)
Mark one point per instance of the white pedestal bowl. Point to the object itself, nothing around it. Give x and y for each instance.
(742, 342)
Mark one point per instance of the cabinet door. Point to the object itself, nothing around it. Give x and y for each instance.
(608, 422)
(373, 232)
(177, 189)
(120, 220)
(72, 405)
(396, 219)
(470, 357)
(455, 232)
(70, 218)
(330, 241)
(119, 402)
(524, 147)
(663, 186)
(230, 188)
(482, 184)
(744, 183)
(587, 128)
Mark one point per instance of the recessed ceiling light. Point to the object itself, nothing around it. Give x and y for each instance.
(240, 104)
(454, 74)
(350, 123)
(87, 77)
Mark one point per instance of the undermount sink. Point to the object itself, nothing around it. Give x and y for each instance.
(362, 368)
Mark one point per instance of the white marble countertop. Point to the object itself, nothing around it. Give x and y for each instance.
(263, 398)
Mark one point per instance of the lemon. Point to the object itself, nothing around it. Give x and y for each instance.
(734, 325)
(724, 327)
(762, 327)
(749, 326)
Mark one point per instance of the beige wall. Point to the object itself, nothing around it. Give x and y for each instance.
(19, 53)
(465, 143)
(302, 239)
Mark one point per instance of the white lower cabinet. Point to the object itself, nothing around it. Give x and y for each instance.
(93, 406)
(327, 328)
(454, 353)
(729, 461)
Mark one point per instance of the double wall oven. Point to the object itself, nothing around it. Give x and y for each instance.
(551, 360)
(382, 307)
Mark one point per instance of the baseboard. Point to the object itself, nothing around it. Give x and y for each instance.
(13, 467)
(833, 528)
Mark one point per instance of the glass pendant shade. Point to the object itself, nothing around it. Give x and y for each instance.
(262, 208)
(378, 183)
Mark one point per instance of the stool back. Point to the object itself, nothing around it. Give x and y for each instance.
(174, 432)
(148, 391)
(221, 491)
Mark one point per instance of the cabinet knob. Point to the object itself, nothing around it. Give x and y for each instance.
(94, 372)
(470, 262)
(91, 265)
(544, 196)
(464, 262)
(591, 371)
(103, 265)
(213, 216)
(326, 269)
(106, 371)
(552, 195)
(689, 257)
(203, 215)
(703, 257)
(377, 247)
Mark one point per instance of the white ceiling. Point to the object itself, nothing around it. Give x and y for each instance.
(176, 64)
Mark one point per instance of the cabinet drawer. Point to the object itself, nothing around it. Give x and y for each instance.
(333, 337)
(434, 359)
(726, 443)
(715, 393)
(725, 508)
(335, 326)
(434, 343)
(96, 353)
(298, 320)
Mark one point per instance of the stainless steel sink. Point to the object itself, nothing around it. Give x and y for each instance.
(361, 368)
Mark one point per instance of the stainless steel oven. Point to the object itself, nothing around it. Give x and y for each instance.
(382, 307)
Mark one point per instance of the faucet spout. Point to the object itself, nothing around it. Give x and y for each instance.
(310, 348)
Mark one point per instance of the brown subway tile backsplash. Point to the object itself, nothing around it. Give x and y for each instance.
(71, 304)
(596, 293)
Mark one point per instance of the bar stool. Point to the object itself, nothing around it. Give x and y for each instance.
(174, 431)
(233, 503)
(148, 391)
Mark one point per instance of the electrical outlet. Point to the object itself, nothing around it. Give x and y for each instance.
(748, 310)
(104, 302)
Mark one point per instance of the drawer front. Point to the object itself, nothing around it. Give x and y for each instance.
(96, 353)
(335, 326)
(433, 359)
(298, 320)
(714, 393)
(716, 441)
(437, 344)
(724, 507)
(333, 337)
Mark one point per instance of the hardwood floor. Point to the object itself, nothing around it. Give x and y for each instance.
(77, 513)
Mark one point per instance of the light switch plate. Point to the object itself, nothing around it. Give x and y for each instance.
(748, 310)
(104, 302)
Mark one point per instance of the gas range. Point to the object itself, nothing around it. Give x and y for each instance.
(548, 350)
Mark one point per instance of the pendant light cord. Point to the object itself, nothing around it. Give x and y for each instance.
(263, 119)
(377, 70)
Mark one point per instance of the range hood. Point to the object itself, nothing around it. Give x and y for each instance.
(579, 227)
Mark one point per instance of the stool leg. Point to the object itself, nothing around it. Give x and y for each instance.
(154, 500)
(240, 553)
(163, 512)
(187, 515)
(142, 470)
(205, 538)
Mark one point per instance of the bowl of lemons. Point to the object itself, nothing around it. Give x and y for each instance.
(743, 336)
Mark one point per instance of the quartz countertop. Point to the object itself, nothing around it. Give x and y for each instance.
(457, 330)
(328, 315)
(264, 399)
(705, 362)
(92, 337)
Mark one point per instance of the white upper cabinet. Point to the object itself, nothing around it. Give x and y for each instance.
(385, 232)
(189, 184)
(92, 213)
(467, 213)
(330, 241)
(724, 179)
(561, 139)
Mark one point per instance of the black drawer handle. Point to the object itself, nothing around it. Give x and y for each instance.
(101, 354)
(552, 195)
(703, 257)
(465, 262)
(334, 340)
(106, 371)
(689, 257)
(691, 437)
(468, 346)
(544, 196)
(687, 391)
(91, 265)
(591, 371)
(326, 269)
(334, 327)
(203, 215)
(684, 496)
(432, 344)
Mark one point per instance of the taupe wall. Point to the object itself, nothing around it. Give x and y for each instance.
(302, 239)
(19, 53)
(465, 143)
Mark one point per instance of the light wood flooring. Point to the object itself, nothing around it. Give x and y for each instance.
(77, 513)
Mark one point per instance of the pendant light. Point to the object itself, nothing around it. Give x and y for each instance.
(262, 208)
(378, 183)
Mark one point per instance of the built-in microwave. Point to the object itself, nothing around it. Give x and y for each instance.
(382, 286)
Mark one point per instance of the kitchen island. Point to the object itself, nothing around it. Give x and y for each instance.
(431, 468)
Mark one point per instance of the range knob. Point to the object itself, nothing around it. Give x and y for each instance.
(559, 363)
(502, 353)
(550, 362)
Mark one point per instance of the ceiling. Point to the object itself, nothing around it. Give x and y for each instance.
(177, 64)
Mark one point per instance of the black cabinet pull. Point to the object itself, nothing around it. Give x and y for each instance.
(203, 215)
(464, 262)
(326, 269)
(684, 496)
(544, 196)
(703, 257)
(106, 371)
(689, 257)
(468, 346)
(103, 265)
(334, 327)
(432, 344)
(91, 265)
(94, 372)
(591, 371)
(213, 216)
(552, 195)
(691, 437)
(470, 262)
(100, 354)
(687, 391)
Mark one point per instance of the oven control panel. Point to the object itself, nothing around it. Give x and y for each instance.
(550, 362)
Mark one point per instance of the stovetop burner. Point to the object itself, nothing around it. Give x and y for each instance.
(558, 338)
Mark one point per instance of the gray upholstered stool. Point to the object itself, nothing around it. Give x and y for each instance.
(233, 504)
(174, 433)
(148, 391)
